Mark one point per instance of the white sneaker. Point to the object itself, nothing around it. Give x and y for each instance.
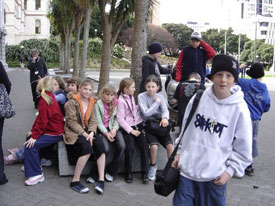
(152, 172)
(46, 163)
(34, 180)
(109, 177)
(90, 180)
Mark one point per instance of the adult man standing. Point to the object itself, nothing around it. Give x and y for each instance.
(193, 58)
(38, 70)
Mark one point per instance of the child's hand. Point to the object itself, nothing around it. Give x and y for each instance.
(175, 163)
(158, 99)
(30, 143)
(113, 133)
(109, 136)
(222, 179)
(135, 133)
(174, 101)
(90, 138)
(164, 122)
(28, 134)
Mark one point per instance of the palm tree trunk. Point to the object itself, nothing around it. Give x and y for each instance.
(85, 41)
(106, 56)
(76, 47)
(62, 54)
(139, 40)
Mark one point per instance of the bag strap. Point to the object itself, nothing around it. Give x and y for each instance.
(193, 109)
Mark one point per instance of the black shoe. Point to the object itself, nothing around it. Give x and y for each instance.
(249, 171)
(129, 177)
(99, 187)
(144, 177)
(2, 182)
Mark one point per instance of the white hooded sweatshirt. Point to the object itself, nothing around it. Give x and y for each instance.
(209, 150)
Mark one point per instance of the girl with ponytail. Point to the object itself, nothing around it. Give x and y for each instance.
(47, 129)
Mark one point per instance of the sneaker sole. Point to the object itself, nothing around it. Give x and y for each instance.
(81, 191)
(98, 190)
(41, 179)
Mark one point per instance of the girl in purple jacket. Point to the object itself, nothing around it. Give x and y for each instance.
(132, 130)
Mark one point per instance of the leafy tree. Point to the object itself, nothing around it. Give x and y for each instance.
(180, 32)
(111, 22)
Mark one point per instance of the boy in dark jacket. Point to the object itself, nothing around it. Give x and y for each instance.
(150, 65)
(193, 58)
(257, 98)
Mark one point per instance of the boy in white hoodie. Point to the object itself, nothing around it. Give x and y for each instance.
(217, 143)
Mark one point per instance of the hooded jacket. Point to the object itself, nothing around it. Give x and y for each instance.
(207, 153)
(151, 66)
(256, 96)
(74, 119)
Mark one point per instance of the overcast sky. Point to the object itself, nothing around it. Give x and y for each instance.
(180, 11)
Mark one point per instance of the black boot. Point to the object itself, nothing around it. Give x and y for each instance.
(129, 177)
(144, 177)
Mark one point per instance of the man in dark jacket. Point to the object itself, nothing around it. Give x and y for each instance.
(150, 65)
(193, 58)
(38, 70)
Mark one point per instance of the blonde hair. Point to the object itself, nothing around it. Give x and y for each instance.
(125, 83)
(109, 89)
(45, 84)
(86, 82)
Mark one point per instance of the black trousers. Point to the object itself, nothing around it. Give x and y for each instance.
(2, 174)
(34, 93)
(129, 151)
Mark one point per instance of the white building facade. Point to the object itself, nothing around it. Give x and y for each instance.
(253, 18)
(26, 19)
(3, 33)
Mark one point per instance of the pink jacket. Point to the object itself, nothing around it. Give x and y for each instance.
(126, 117)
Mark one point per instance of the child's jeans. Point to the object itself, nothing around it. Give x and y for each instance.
(32, 159)
(192, 193)
(255, 128)
(20, 155)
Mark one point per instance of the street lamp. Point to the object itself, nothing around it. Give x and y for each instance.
(95, 32)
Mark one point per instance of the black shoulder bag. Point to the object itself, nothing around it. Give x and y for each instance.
(167, 179)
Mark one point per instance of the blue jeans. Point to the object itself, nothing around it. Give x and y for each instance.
(255, 129)
(20, 155)
(193, 193)
(32, 159)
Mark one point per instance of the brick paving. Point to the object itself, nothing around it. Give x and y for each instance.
(248, 191)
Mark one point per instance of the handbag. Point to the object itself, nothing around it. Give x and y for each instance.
(153, 126)
(167, 179)
(6, 108)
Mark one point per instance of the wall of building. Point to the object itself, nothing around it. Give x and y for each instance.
(20, 21)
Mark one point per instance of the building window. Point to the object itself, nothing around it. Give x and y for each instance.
(263, 32)
(25, 4)
(37, 4)
(37, 27)
(5, 20)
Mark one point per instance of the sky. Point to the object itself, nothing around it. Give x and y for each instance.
(180, 11)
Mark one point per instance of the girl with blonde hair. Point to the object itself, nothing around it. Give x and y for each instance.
(106, 111)
(47, 129)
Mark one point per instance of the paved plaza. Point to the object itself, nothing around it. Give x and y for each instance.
(248, 191)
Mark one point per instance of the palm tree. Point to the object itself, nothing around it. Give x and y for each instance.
(139, 40)
(112, 22)
(63, 23)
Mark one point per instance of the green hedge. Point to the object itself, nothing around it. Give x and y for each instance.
(48, 49)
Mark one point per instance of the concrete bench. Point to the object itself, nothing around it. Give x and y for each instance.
(65, 169)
